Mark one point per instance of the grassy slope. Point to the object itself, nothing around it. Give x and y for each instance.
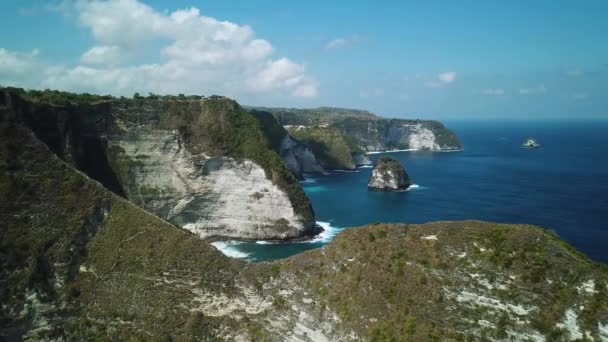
(402, 287)
(328, 144)
(78, 260)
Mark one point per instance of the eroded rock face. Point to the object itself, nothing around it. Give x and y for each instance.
(388, 174)
(202, 163)
(298, 157)
(361, 159)
(209, 196)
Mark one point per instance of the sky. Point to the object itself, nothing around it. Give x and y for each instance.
(426, 59)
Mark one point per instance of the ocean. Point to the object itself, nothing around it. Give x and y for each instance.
(562, 186)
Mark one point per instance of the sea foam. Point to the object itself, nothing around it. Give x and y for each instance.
(230, 249)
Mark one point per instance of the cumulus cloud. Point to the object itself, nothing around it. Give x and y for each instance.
(341, 42)
(493, 91)
(581, 96)
(447, 77)
(442, 79)
(19, 68)
(538, 90)
(102, 55)
(198, 54)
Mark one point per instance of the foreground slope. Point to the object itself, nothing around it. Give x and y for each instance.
(202, 163)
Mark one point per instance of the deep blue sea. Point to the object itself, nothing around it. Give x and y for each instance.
(561, 186)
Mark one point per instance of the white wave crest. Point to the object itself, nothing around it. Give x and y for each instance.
(365, 167)
(415, 187)
(328, 234)
(230, 249)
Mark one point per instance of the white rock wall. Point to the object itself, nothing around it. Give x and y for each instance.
(208, 196)
(422, 139)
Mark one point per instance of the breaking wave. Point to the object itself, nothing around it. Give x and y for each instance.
(230, 249)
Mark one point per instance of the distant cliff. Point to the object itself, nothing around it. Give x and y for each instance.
(371, 132)
(204, 164)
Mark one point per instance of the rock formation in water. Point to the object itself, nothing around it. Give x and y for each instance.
(388, 174)
(204, 164)
(370, 132)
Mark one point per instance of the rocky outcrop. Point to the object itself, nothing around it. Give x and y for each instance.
(388, 174)
(202, 163)
(373, 133)
(330, 147)
(361, 159)
(297, 156)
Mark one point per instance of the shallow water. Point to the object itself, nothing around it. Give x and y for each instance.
(562, 186)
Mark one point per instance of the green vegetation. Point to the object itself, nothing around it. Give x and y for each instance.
(314, 116)
(408, 285)
(215, 126)
(95, 264)
(61, 98)
(328, 144)
(362, 129)
(222, 127)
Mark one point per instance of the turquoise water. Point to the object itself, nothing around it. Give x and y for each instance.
(562, 186)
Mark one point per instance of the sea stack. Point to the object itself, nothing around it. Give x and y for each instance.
(389, 175)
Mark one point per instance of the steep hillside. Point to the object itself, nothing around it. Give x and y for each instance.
(202, 163)
(371, 132)
(331, 148)
(455, 281)
(298, 157)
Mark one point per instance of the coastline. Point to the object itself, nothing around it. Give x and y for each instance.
(414, 150)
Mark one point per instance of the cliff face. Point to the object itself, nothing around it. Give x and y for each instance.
(204, 164)
(298, 157)
(388, 174)
(398, 134)
(371, 132)
(328, 144)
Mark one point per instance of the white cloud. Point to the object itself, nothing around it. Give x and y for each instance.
(442, 79)
(581, 96)
(447, 77)
(342, 42)
(102, 55)
(198, 54)
(493, 91)
(17, 62)
(538, 90)
(19, 68)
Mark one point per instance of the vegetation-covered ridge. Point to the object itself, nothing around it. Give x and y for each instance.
(78, 128)
(369, 131)
(329, 145)
(457, 281)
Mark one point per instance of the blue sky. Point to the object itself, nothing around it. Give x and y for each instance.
(439, 59)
